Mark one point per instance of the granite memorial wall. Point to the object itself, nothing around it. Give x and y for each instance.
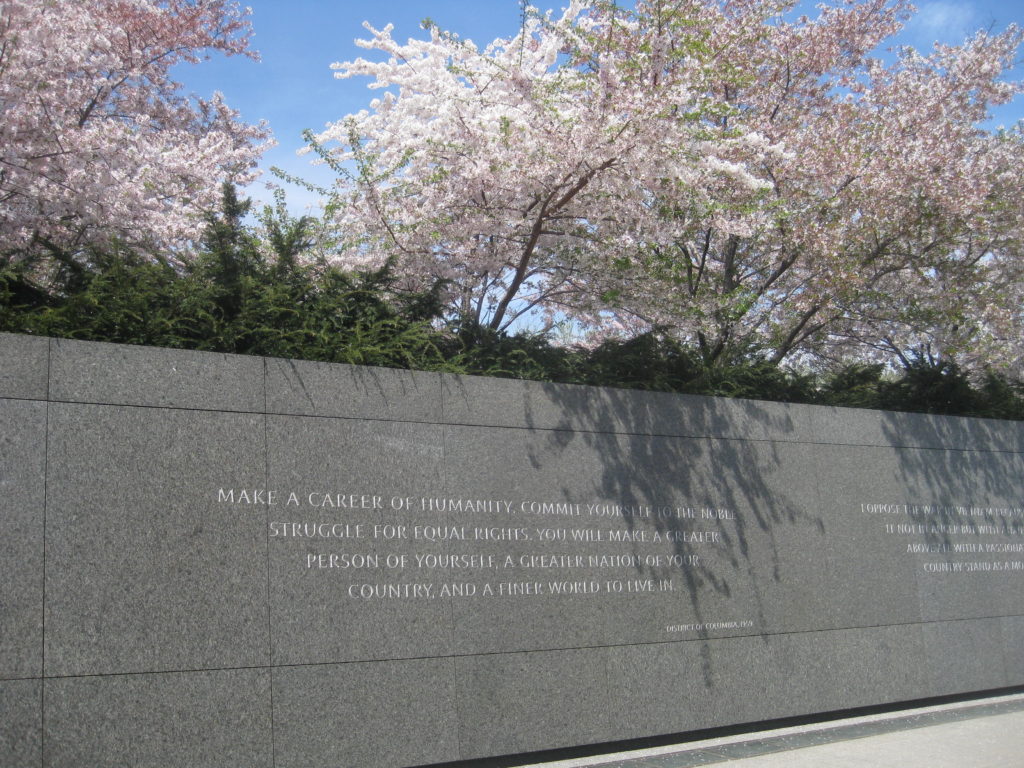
(211, 559)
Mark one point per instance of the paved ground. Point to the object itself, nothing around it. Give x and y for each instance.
(984, 733)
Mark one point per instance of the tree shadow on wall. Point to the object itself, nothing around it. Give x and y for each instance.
(660, 451)
(963, 477)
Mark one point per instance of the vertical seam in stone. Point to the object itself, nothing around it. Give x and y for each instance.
(46, 481)
(456, 702)
(814, 426)
(606, 654)
(919, 575)
(457, 705)
(270, 625)
(440, 396)
(446, 491)
(1003, 647)
(49, 357)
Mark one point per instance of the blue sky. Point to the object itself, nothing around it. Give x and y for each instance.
(293, 87)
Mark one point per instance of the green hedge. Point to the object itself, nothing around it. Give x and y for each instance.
(258, 295)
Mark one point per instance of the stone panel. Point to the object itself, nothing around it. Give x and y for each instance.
(739, 419)
(145, 569)
(23, 366)
(349, 588)
(773, 561)
(809, 672)
(523, 702)
(22, 495)
(115, 374)
(593, 538)
(21, 726)
(685, 686)
(305, 388)
(963, 656)
(856, 426)
(872, 578)
(170, 720)
(864, 666)
(682, 686)
(909, 527)
(979, 572)
(479, 401)
(1013, 649)
(379, 715)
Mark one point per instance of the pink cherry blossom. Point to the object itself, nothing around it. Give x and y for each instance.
(714, 169)
(95, 140)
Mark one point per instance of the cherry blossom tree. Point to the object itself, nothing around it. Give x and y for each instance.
(96, 142)
(515, 171)
(717, 170)
(892, 220)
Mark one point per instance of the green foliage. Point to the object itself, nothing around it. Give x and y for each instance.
(856, 385)
(932, 386)
(261, 291)
(648, 361)
(1001, 398)
(122, 297)
(758, 379)
(238, 294)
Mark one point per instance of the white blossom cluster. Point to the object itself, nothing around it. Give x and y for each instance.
(95, 141)
(703, 167)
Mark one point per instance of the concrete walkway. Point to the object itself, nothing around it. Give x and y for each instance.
(983, 733)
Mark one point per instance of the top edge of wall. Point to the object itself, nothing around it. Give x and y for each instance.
(117, 374)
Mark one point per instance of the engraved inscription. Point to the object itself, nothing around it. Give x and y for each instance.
(956, 539)
(501, 548)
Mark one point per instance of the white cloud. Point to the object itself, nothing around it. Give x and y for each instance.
(947, 22)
